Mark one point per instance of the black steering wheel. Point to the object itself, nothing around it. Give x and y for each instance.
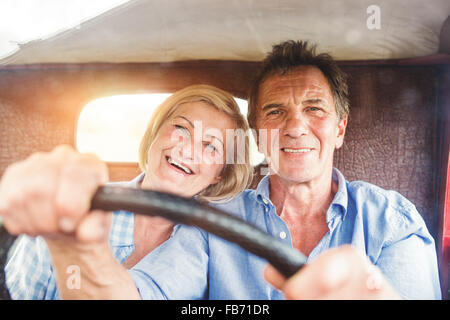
(185, 211)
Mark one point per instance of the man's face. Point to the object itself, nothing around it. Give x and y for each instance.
(300, 106)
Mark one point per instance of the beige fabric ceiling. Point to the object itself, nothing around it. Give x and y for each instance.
(175, 30)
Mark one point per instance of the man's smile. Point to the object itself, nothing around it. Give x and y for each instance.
(296, 150)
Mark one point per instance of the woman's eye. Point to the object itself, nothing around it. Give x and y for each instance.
(180, 127)
(212, 147)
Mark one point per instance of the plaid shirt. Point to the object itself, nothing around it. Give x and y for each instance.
(29, 272)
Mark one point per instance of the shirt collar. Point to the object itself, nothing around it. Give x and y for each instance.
(341, 196)
(340, 199)
(136, 182)
(262, 190)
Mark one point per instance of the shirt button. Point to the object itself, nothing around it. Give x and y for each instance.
(265, 201)
(283, 235)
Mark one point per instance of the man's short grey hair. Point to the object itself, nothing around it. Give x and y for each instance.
(289, 55)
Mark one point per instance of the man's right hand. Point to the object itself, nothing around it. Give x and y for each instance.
(49, 194)
(338, 274)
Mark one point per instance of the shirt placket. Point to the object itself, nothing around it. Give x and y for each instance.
(280, 229)
(324, 243)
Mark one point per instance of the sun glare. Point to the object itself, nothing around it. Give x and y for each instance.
(112, 127)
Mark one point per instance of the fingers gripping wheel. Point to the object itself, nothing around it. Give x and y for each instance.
(189, 212)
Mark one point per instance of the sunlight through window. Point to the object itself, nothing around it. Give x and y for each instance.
(112, 127)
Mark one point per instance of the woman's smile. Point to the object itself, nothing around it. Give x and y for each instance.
(179, 167)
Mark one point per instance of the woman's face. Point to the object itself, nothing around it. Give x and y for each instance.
(188, 153)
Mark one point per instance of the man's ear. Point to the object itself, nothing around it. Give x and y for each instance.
(342, 125)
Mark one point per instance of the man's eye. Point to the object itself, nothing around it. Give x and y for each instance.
(274, 112)
(315, 109)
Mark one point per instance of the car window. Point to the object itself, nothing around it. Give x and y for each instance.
(112, 127)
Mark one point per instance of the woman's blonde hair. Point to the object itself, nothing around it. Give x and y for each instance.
(235, 176)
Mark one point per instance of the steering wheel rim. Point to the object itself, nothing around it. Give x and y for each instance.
(284, 258)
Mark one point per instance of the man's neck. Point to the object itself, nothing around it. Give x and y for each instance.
(303, 207)
(307, 199)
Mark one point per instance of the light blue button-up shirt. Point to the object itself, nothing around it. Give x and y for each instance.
(194, 264)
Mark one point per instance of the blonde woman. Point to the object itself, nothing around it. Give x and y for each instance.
(183, 151)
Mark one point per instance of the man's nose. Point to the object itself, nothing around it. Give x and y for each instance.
(296, 125)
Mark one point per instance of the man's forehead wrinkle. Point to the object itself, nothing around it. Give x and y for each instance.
(295, 88)
(292, 92)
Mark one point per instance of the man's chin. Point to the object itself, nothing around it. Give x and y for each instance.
(298, 175)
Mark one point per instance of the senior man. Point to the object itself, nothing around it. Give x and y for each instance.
(300, 99)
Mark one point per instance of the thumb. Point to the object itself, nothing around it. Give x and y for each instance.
(94, 227)
(274, 277)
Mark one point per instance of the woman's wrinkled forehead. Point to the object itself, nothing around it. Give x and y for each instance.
(202, 111)
(189, 108)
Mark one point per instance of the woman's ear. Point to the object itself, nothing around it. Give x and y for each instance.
(216, 179)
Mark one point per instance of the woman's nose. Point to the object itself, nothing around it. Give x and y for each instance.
(182, 144)
(187, 149)
(192, 150)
